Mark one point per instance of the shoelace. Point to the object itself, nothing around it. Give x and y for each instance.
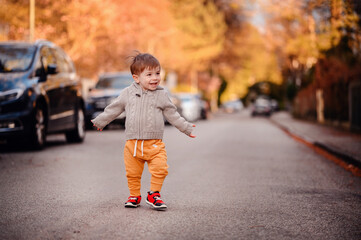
(156, 198)
(132, 198)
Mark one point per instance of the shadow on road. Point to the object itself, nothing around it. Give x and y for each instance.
(24, 147)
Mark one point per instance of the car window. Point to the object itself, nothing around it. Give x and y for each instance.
(118, 82)
(69, 64)
(16, 58)
(61, 64)
(188, 98)
(262, 102)
(47, 57)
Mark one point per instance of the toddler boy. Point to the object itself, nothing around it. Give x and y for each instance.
(144, 103)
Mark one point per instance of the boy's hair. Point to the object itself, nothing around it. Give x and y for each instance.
(141, 61)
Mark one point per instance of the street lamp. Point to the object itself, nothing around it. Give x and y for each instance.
(32, 20)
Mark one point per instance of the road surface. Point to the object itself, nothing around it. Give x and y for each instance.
(240, 178)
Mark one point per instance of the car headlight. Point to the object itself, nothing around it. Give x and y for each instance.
(11, 95)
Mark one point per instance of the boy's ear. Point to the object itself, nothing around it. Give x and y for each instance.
(135, 77)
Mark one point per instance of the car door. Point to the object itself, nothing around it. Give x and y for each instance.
(67, 94)
(51, 86)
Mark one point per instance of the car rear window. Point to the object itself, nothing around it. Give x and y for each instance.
(16, 58)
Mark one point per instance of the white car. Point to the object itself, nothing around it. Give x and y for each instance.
(191, 106)
(262, 106)
(232, 106)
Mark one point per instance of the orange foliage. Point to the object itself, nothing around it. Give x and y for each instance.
(330, 71)
(97, 34)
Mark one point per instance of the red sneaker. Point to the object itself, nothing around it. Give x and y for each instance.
(133, 202)
(155, 201)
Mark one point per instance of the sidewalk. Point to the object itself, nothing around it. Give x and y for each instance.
(343, 144)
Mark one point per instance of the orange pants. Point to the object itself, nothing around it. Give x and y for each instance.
(136, 153)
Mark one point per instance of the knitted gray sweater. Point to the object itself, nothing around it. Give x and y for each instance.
(144, 112)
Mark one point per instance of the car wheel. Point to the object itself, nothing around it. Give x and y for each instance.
(78, 133)
(38, 137)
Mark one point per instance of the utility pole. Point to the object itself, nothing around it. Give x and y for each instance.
(32, 20)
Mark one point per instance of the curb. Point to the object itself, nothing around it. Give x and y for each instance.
(333, 151)
(345, 157)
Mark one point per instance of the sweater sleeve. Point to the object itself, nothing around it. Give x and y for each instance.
(174, 118)
(111, 112)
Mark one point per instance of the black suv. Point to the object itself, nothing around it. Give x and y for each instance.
(40, 93)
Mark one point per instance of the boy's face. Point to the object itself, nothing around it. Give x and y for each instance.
(149, 79)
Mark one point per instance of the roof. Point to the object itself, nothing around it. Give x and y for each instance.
(27, 43)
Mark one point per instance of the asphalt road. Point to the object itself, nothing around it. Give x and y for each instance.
(240, 178)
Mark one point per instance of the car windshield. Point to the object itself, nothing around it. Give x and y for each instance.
(117, 82)
(16, 58)
(262, 102)
(186, 99)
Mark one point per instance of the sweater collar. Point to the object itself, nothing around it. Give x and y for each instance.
(140, 90)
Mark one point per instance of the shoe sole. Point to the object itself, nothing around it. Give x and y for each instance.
(131, 206)
(161, 208)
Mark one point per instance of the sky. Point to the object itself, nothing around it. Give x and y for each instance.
(257, 18)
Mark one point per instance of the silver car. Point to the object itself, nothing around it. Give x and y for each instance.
(192, 106)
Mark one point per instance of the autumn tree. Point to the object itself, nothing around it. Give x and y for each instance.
(190, 36)
(98, 34)
(112, 33)
(247, 57)
(200, 30)
(301, 31)
(319, 49)
(14, 19)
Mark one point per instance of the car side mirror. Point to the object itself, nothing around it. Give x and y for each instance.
(40, 72)
(52, 69)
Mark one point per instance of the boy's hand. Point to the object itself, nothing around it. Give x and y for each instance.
(98, 128)
(192, 136)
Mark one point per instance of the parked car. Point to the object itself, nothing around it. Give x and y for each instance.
(262, 106)
(40, 94)
(205, 109)
(193, 107)
(176, 101)
(232, 106)
(107, 88)
(274, 105)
